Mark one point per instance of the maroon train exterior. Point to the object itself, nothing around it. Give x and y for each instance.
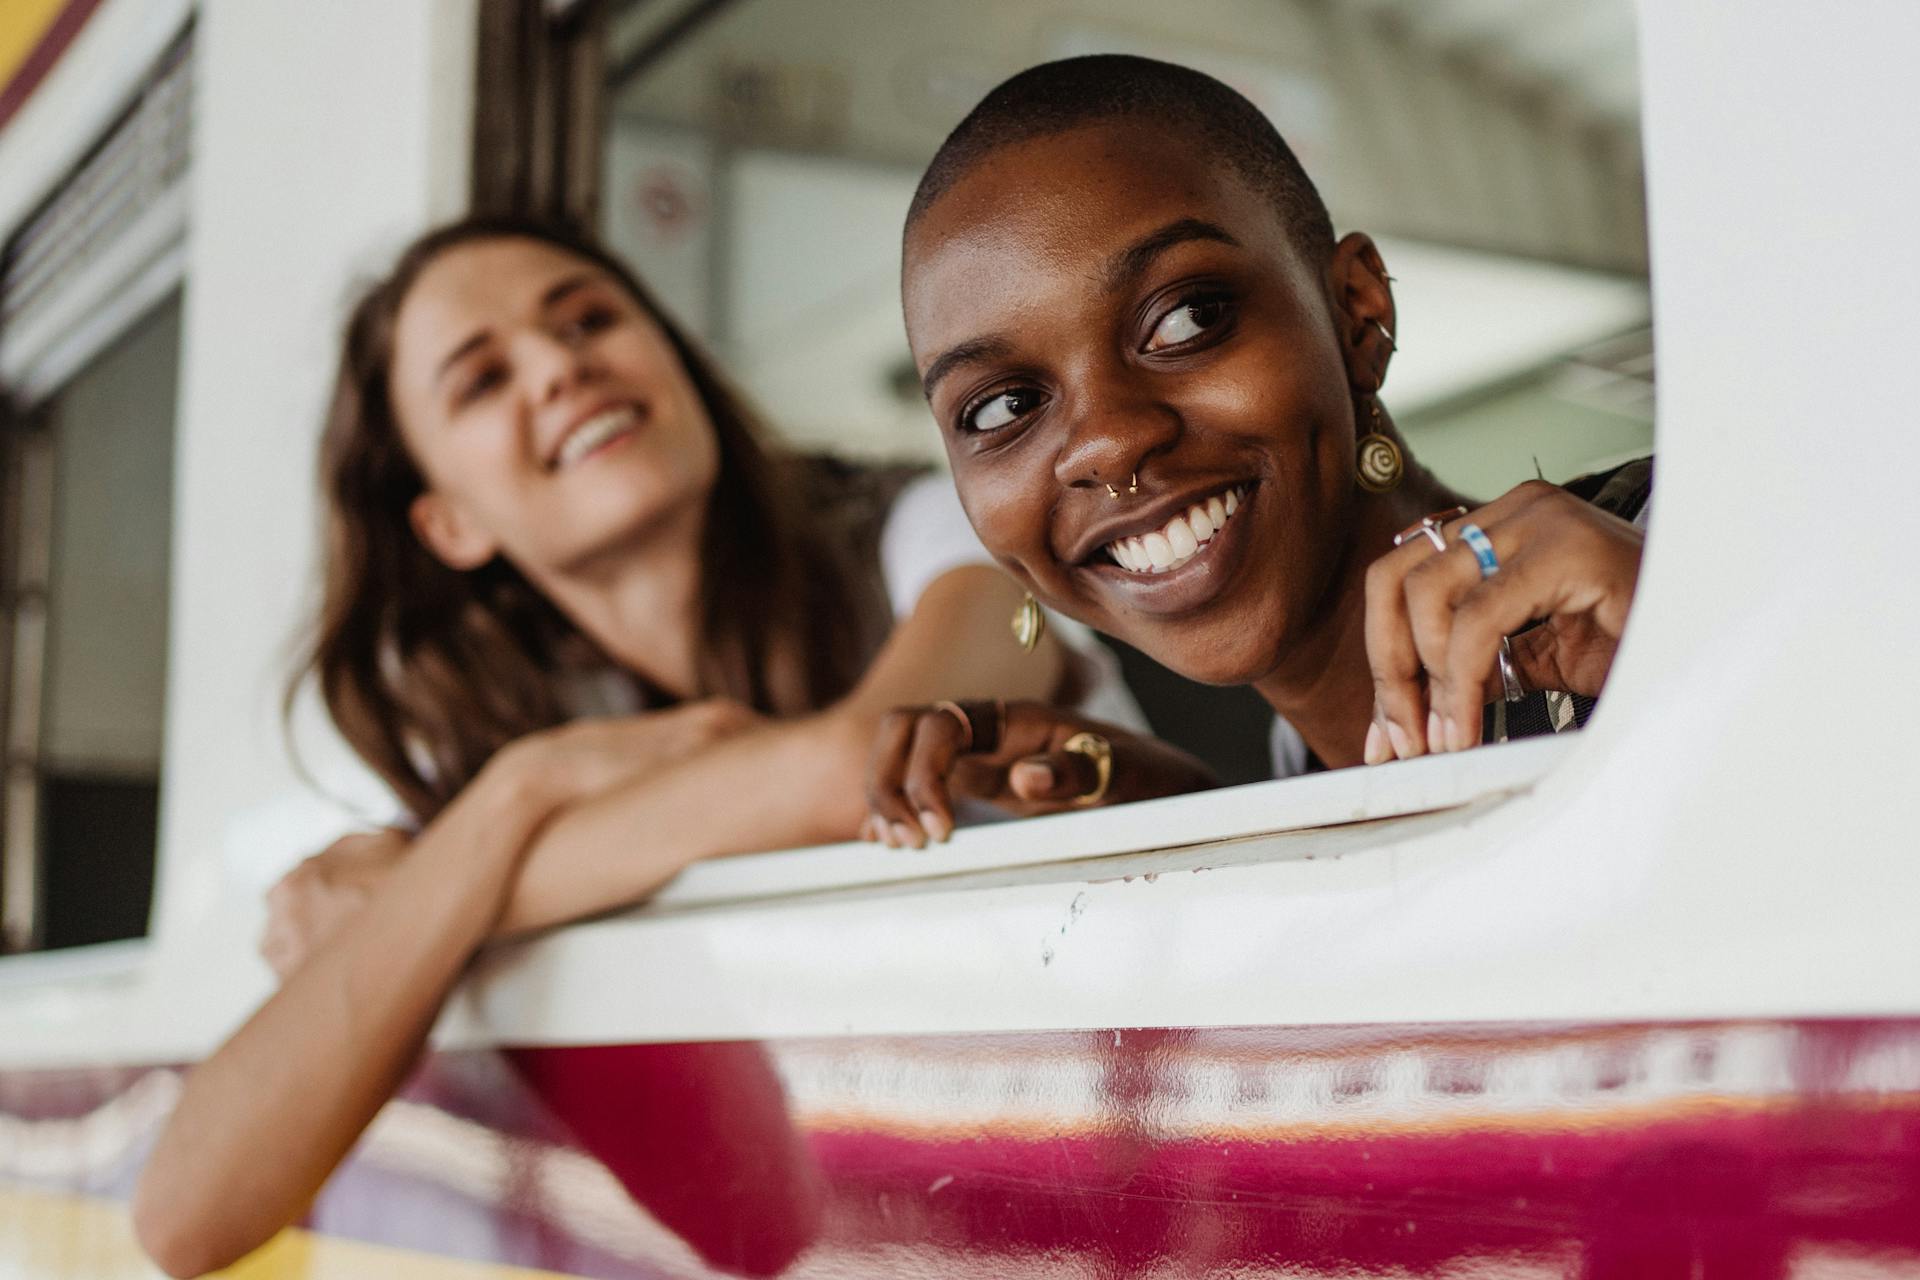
(1682, 1150)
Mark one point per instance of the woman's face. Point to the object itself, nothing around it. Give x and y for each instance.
(1110, 303)
(548, 412)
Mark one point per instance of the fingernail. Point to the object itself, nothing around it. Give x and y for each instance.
(1436, 732)
(1456, 735)
(935, 825)
(1037, 774)
(1376, 749)
(1402, 747)
(907, 836)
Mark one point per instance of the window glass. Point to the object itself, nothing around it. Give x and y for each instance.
(90, 492)
(759, 157)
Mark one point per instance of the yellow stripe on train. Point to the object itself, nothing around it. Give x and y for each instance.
(44, 1236)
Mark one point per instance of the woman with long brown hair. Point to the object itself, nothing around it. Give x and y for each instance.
(576, 606)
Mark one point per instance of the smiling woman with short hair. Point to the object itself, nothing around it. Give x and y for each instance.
(1158, 375)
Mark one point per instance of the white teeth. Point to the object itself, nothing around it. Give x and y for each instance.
(1181, 538)
(1177, 541)
(593, 433)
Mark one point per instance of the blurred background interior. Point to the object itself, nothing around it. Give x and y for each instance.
(754, 160)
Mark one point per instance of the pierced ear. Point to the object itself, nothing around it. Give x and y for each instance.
(445, 531)
(1363, 307)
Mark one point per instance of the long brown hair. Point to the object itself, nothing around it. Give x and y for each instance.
(427, 670)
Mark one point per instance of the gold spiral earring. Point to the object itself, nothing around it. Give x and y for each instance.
(1378, 463)
(1029, 624)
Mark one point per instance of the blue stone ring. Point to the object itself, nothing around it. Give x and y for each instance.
(1482, 547)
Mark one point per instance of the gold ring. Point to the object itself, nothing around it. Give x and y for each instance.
(1100, 751)
(959, 713)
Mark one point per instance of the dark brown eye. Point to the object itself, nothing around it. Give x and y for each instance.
(1186, 322)
(481, 383)
(591, 321)
(999, 411)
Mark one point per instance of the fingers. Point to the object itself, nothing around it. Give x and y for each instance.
(284, 941)
(1411, 595)
(925, 756)
(1486, 613)
(1399, 681)
(1433, 590)
(279, 951)
(1435, 625)
(1053, 778)
(938, 737)
(908, 782)
(1035, 728)
(889, 813)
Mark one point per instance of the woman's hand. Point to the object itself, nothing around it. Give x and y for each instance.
(1434, 622)
(313, 900)
(924, 758)
(572, 762)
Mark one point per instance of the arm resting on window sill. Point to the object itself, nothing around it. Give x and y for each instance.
(788, 784)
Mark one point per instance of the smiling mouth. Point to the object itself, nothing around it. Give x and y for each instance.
(601, 429)
(1180, 539)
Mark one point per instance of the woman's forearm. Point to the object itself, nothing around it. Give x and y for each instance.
(784, 785)
(265, 1119)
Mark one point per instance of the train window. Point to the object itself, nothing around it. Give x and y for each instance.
(89, 510)
(90, 312)
(757, 159)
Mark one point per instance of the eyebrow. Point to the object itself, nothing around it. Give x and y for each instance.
(556, 293)
(1122, 269)
(966, 353)
(1128, 265)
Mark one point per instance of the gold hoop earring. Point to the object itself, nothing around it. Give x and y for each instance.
(1029, 624)
(1378, 462)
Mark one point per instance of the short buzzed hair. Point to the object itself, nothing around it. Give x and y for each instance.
(1075, 92)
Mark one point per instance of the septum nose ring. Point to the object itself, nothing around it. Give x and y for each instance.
(1133, 486)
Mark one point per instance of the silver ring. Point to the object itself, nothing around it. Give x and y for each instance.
(1431, 527)
(1509, 678)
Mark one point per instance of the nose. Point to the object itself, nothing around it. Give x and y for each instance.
(1115, 424)
(555, 365)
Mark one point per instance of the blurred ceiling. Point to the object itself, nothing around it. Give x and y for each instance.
(1583, 49)
(1502, 125)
